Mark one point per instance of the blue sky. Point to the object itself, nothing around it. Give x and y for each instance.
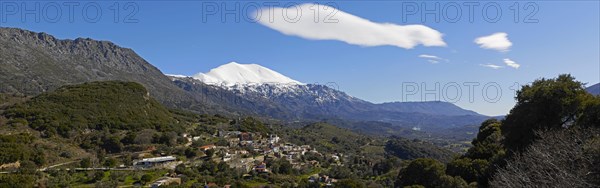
(183, 38)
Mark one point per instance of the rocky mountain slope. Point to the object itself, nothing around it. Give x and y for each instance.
(32, 63)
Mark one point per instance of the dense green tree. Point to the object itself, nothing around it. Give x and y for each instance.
(447, 181)
(129, 138)
(422, 171)
(182, 169)
(544, 104)
(487, 145)
(209, 153)
(112, 144)
(208, 167)
(281, 166)
(385, 166)
(471, 170)
(167, 138)
(191, 152)
(478, 163)
(591, 113)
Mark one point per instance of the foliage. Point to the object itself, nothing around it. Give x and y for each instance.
(545, 104)
(591, 113)
(471, 170)
(17, 180)
(18, 147)
(412, 149)
(487, 145)
(281, 166)
(94, 105)
(421, 171)
(321, 135)
(340, 172)
(250, 124)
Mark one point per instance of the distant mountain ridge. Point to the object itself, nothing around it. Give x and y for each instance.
(428, 107)
(594, 89)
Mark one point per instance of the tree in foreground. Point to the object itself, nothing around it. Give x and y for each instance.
(545, 104)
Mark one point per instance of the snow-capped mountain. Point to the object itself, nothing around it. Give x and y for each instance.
(233, 73)
(266, 88)
(253, 80)
(260, 90)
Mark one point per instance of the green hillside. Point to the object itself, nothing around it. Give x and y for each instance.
(94, 105)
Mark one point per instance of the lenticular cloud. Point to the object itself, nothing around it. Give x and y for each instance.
(321, 22)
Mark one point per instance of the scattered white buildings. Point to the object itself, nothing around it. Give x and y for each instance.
(273, 139)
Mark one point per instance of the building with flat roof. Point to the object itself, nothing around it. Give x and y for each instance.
(151, 162)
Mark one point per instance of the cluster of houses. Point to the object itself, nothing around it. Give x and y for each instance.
(246, 151)
(242, 144)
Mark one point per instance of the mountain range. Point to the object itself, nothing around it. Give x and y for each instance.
(292, 100)
(594, 89)
(32, 63)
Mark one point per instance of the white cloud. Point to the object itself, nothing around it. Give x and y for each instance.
(511, 63)
(491, 66)
(429, 56)
(432, 58)
(332, 24)
(496, 41)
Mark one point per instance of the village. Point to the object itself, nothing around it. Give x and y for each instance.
(245, 151)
